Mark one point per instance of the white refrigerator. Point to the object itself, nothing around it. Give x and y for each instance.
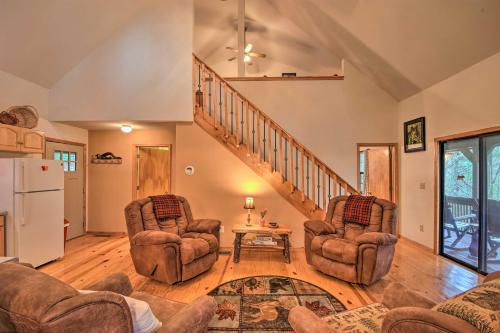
(32, 193)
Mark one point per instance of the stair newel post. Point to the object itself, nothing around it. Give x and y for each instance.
(292, 164)
(335, 185)
(195, 104)
(313, 187)
(269, 144)
(318, 169)
(236, 119)
(275, 149)
(259, 152)
(242, 120)
(264, 134)
(226, 118)
(248, 125)
(302, 175)
(232, 114)
(346, 188)
(214, 101)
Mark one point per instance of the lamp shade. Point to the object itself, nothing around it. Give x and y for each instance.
(249, 203)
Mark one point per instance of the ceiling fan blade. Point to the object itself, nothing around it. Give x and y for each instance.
(231, 59)
(256, 55)
(231, 49)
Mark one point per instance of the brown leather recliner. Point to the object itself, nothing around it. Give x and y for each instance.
(172, 250)
(352, 252)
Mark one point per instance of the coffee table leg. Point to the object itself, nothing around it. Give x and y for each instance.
(237, 247)
(286, 250)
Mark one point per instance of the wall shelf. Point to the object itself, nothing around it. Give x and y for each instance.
(107, 161)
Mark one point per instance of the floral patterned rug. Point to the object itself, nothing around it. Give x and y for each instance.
(261, 304)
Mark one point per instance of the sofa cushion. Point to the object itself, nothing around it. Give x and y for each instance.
(336, 249)
(196, 245)
(479, 306)
(366, 319)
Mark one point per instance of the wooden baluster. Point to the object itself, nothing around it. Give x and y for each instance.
(226, 116)
(313, 187)
(195, 108)
(346, 188)
(236, 118)
(248, 126)
(220, 103)
(302, 176)
(269, 144)
(259, 153)
(292, 164)
(204, 91)
(324, 187)
(214, 101)
(280, 154)
(334, 183)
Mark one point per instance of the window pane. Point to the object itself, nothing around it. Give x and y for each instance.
(57, 155)
(72, 156)
(65, 166)
(461, 200)
(492, 216)
(72, 166)
(65, 155)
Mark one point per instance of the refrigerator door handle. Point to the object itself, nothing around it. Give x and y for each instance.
(23, 172)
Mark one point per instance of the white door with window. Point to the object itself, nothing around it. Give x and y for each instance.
(74, 183)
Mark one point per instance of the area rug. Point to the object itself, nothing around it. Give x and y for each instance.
(261, 303)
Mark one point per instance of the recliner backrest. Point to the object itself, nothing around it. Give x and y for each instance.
(383, 218)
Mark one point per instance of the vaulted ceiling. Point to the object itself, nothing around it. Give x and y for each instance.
(403, 45)
(40, 41)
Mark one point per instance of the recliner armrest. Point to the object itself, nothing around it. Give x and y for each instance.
(318, 227)
(377, 238)
(194, 317)
(208, 226)
(154, 237)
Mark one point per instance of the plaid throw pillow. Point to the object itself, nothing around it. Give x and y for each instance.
(166, 206)
(358, 209)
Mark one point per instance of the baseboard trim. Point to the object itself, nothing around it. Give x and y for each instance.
(105, 233)
(417, 244)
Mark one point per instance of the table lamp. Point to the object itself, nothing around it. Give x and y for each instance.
(248, 206)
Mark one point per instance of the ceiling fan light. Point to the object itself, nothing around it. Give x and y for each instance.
(247, 58)
(248, 48)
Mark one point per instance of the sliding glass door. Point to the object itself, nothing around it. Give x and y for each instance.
(470, 202)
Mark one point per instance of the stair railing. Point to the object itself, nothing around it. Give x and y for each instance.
(244, 125)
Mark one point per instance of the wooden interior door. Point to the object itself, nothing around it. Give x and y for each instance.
(153, 170)
(378, 172)
(73, 157)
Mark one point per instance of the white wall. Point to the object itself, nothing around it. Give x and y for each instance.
(142, 72)
(329, 117)
(469, 100)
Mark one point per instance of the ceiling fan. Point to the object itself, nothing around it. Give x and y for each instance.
(248, 54)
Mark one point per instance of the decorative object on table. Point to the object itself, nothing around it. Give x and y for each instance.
(282, 244)
(262, 303)
(414, 135)
(249, 205)
(25, 116)
(263, 217)
(274, 225)
(106, 158)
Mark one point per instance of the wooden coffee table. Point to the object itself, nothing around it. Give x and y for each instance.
(241, 230)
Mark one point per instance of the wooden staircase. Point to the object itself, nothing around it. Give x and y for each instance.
(273, 153)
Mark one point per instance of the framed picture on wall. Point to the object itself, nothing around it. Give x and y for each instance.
(414, 135)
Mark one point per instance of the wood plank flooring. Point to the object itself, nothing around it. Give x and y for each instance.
(92, 257)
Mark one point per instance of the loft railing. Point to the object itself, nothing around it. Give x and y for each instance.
(247, 127)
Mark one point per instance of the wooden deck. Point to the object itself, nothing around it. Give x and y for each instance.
(91, 258)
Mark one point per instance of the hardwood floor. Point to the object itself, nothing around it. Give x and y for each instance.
(92, 257)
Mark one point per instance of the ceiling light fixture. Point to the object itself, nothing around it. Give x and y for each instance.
(126, 129)
(247, 58)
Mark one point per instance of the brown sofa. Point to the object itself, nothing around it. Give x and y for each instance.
(32, 301)
(403, 311)
(172, 250)
(352, 252)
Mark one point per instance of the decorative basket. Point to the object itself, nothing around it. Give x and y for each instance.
(26, 115)
(7, 119)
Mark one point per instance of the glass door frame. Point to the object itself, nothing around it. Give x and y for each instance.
(482, 219)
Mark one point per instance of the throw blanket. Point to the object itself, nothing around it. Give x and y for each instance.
(358, 209)
(166, 206)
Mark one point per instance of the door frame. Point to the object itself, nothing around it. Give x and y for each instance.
(135, 164)
(438, 179)
(394, 172)
(84, 146)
